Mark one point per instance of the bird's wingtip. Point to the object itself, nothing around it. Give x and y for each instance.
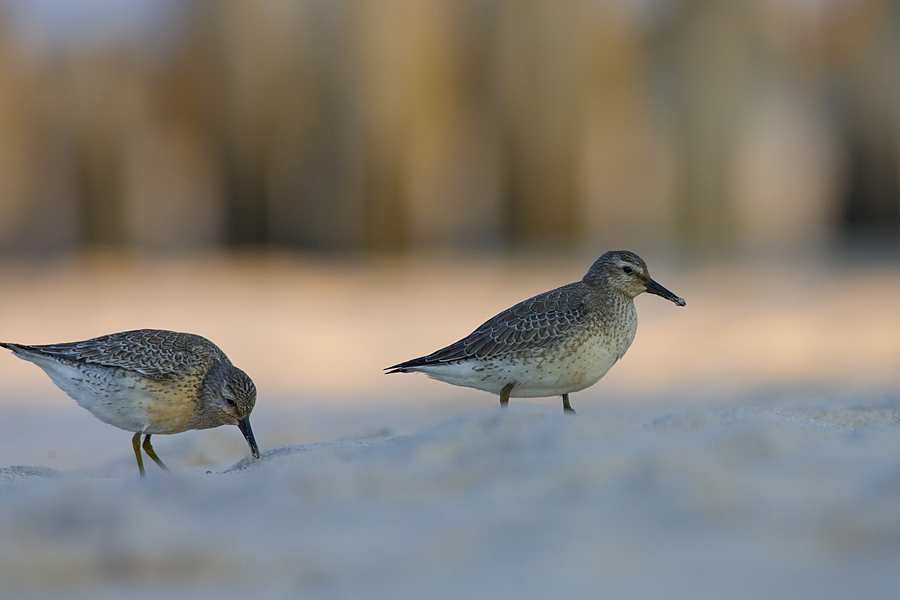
(405, 366)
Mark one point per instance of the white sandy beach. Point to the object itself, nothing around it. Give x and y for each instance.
(738, 503)
(748, 445)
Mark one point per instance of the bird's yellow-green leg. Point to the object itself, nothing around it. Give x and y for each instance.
(136, 442)
(567, 408)
(504, 394)
(152, 454)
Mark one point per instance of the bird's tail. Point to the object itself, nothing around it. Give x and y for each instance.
(407, 366)
(21, 350)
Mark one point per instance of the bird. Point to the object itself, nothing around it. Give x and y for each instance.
(150, 381)
(553, 344)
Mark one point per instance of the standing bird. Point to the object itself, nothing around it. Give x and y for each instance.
(150, 381)
(553, 344)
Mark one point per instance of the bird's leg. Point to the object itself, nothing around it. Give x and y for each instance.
(567, 408)
(504, 395)
(152, 454)
(136, 442)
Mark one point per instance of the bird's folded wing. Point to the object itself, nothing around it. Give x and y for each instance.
(537, 323)
(153, 353)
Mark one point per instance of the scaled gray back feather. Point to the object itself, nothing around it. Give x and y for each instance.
(539, 322)
(154, 353)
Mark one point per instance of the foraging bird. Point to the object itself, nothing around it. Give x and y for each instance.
(150, 381)
(553, 344)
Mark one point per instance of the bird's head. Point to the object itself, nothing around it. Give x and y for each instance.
(626, 272)
(229, 395)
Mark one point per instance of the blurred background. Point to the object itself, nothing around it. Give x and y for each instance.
(394, 125)
(327, 187)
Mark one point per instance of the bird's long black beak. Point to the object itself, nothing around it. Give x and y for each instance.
(244, 426)
(655, 288)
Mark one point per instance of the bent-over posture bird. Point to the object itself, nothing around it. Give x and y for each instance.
(553, 344)
(150, 381)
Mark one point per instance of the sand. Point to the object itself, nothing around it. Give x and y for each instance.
(735, 502)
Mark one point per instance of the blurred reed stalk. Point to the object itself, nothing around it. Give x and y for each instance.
(392, 125)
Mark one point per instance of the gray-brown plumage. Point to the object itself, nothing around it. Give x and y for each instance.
(555, 343)
(150, 381)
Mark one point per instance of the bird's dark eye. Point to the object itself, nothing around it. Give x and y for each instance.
(229, 401)
(628, 270)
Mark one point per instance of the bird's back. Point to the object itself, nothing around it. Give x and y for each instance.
(532, 326)
(152, 353)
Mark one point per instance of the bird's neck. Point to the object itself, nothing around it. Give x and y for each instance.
(605, 297)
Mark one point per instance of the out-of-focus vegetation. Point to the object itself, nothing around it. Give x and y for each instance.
(357, 125)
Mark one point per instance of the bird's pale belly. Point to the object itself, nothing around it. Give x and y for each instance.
(129, 403)
(565, 371)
